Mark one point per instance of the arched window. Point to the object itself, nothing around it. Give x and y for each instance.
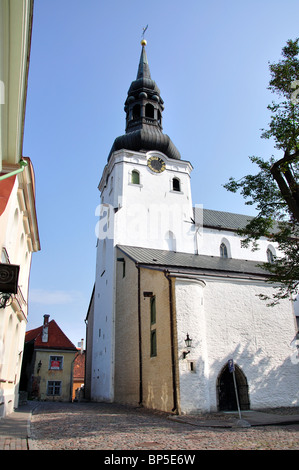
(149, 111)
(176, 184)
(270, 256)
(135, 178)
(171, 241)
(223, 250)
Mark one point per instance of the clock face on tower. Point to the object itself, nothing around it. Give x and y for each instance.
(156, 164)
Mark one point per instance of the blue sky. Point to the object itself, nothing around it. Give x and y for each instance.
(210, 61)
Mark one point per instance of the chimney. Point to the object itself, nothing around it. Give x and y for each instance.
(45, 329)
(81, 346)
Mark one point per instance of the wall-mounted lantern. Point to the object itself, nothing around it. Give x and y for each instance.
(188, 343)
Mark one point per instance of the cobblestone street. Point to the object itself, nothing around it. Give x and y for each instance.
(96, 426)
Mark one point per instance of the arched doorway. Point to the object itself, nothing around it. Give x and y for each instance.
(226, 390)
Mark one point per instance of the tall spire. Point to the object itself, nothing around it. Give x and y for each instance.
(144, 107)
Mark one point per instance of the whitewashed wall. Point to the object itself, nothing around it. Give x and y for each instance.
(148, 211)
(211, 239)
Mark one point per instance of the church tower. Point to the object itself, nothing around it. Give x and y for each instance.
(158, 279)
(145, 202)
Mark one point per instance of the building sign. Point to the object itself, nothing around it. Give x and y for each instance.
(55, 365)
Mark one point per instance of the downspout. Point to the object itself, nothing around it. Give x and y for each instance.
(139, 337)
(173, 362)
(22, 164)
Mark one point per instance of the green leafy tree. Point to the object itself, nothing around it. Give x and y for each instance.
(274, 190)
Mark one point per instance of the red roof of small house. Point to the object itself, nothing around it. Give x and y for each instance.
(56, 338)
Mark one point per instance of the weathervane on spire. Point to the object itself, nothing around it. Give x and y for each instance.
(143, 41)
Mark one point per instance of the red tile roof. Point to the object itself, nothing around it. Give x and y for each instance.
(56, 338)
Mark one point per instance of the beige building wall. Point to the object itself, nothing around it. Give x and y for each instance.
(157, 372)
(19, 238)
(127, 376)
(18, 225)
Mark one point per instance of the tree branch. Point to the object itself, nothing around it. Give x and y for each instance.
(290, 191)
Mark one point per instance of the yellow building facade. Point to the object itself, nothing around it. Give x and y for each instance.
(48, 365)
(53, 382)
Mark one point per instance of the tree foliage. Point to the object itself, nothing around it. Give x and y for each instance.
(274, 190)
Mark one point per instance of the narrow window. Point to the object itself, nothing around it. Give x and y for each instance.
(135, 177)
(223, 250)
(176, 186)
(153, 310)
(136, 112)
(153, 343)
(159, 117)
(270, 256)
(149, 111)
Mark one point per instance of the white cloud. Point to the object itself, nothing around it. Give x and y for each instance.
(53, 297)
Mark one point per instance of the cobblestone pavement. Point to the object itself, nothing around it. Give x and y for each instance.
(98, 426)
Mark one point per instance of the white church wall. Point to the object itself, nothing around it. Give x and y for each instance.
(147, 211)
(211, 239)
(235, 324)
(193, 370)
(257, 337)
(103, 326)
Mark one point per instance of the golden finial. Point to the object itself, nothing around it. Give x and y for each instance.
(143, 42)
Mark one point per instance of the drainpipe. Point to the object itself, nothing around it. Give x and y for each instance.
(22, 164)
(173, 361)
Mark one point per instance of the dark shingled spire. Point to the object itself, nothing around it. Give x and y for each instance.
(143, 69)
(144, 107)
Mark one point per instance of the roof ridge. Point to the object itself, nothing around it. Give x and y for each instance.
(57, 339)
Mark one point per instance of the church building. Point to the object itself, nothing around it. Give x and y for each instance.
(176, 296)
